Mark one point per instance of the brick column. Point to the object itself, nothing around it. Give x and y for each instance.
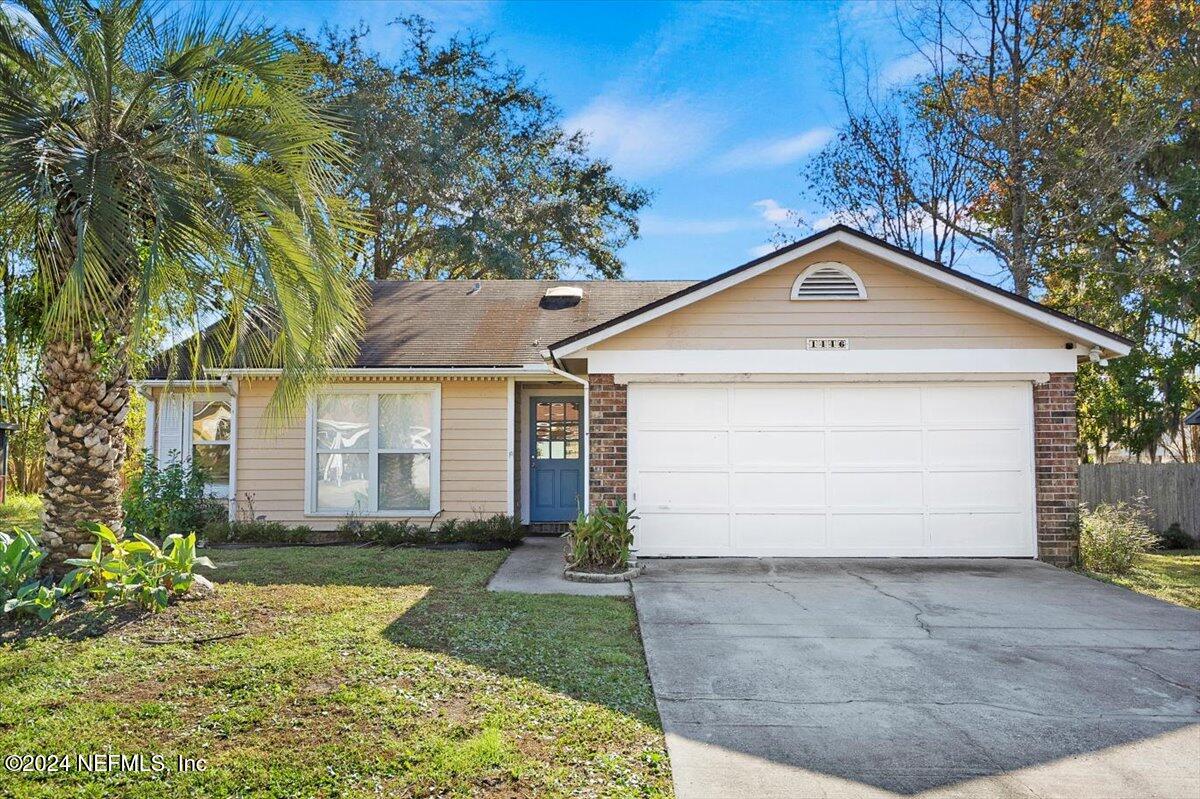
(608, 440)
(1056, 464)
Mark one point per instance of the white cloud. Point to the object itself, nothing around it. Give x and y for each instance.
(644, 138)
(772, 211)
(902, 70)
(774, 152)
(762, 249)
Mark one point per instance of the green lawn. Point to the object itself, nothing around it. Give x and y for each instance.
(352, 672)
(21, 510)
(1173, 576)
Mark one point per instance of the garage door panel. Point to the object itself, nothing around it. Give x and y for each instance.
(684, 489)
(682, 533)
(974, 406)
(767, 406)
(779, 532)
(871, 470)
(872, 406)
(661, 448)
(874, 448)
(982, 489)
(876, 532)
(1002, 532)
(875, 489)
(682, 407)
(975, 448)
(759, 490)
(782, 448)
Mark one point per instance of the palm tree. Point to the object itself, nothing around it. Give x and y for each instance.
(176, 171)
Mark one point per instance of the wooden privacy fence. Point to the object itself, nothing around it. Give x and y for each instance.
(1172, 490)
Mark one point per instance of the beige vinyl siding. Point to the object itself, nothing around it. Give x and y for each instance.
(271, 462)
(902, 311)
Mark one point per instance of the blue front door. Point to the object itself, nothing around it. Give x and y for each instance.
(555, 458)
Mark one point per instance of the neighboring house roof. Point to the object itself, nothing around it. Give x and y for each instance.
(1014, 303)
(451, 323)
(1194, 418)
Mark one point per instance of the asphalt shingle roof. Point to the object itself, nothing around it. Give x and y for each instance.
(415, 323)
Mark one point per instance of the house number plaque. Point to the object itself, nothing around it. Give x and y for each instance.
(829, 344)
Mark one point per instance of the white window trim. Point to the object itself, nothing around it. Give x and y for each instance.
(217, 491)
(435, 453)
(836, 265)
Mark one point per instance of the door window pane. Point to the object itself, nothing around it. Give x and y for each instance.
(343, 421)
(404, 481)
(342, 481)
(405, 421)
(556, 430)
(213, 460)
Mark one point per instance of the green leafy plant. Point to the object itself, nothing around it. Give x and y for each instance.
(599, 541)
(138, 570)
(169, 499)
(20, 557)
(38, 598)
(498, 529)
(1111, 536)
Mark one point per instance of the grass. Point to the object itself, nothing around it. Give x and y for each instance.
(21, 510)
(1173, 576)
(351, 672)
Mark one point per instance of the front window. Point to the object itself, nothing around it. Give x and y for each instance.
(375, 452)
(212, 422)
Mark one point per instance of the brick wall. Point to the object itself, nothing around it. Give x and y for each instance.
(608, 438)
(1056, 462)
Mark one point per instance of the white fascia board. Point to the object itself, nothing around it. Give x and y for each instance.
(933, 361)
(407, 371)
(1075, 331)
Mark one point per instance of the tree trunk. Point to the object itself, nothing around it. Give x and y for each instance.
(85, 447)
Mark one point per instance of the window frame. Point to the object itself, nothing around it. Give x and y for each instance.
(214, 490)
(795, 296)
(373, 451)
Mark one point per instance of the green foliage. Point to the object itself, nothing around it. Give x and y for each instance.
(600, 540)
(1111, 536)
(400, 533)
(138, 570)
(169, 499)
(464, 166)
(20, 558)
(499, 529)
(38, 598)
(257, 531)
(21, 592)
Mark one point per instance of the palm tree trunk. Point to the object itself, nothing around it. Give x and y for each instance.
(85, 447)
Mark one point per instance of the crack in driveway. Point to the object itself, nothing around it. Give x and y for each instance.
(920, 611)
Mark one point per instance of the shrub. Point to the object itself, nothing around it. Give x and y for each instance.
(499, 529)
(137, 570)
(1175, 538)
(1111, 536)
(600, 540)
(169, 499)
(401, 533)
(38, 598)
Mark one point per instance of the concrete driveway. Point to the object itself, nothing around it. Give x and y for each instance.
(848, 678)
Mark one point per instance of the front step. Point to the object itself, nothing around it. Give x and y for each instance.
(548, 528)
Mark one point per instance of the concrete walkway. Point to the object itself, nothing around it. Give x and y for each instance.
(883, 678)
(536, 567)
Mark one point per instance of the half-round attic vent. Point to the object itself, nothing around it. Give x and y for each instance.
(828, 280)
(557, 297)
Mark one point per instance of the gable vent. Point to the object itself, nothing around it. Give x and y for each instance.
(828, 281)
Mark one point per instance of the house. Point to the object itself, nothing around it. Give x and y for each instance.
(837, 397)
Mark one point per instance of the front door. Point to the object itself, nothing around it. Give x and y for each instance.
(555, 458)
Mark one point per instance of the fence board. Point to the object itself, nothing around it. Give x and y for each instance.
(1172, 490)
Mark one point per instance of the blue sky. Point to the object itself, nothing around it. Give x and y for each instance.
(711, 106)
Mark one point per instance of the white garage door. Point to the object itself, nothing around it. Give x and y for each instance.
(936, 469)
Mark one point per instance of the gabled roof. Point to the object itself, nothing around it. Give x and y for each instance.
(1194, 418)
(1014, 303)
(471, 324)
